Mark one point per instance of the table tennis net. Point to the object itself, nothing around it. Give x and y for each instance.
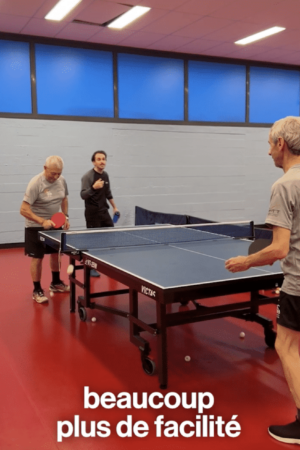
(164, 235)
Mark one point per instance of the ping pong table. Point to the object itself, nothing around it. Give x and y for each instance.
(169, 264)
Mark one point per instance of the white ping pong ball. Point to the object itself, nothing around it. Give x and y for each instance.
(187, 358)
(242, 335)
(70, 269)
(51, 294)
(93, 319)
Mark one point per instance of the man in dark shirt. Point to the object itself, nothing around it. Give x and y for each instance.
(95, 191)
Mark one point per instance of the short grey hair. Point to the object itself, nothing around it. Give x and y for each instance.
(289, 129)
(54, 161)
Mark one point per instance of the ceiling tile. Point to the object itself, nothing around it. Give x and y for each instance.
(162, 4)
(283, 39)
(20, 7)
(278, 56)
(197, 46)
(128, 2)
(238, 10)
(202, 27)
(203, 7)
(234, 32)
(293, 58)
(171, 22)
(109, 36)
(170, 43)
(268, 16)
(40, 27)
(271, 41)
(222, 50)
(295, 46)
(245, 52)
(77, 32)
(49, 4)
(275, 53)
(12, 24)
(148, 18)
(141, 39)
(100, 11)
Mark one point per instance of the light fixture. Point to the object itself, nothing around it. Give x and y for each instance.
(261, 35)
(128, 17)
(61, 9)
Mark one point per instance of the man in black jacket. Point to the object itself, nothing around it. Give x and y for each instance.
(95, 191)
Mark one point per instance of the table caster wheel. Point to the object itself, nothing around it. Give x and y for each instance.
(82, 314)
(148, 366)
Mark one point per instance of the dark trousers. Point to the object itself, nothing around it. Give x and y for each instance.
(102, 220)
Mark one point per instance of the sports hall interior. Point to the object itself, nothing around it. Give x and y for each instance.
(184, 115)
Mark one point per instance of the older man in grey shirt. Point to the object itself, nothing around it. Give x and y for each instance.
(45, 195)
(284, 217)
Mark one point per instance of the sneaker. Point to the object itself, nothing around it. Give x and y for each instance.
(60, 287)
(94, 273)
(290, 433)
(39, 296)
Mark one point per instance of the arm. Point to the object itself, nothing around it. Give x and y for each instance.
(26, 212)
(277, 250)
(111, 201)
(64, 208)
(87, 189)
(109, 196)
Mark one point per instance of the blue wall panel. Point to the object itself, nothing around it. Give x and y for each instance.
(15, 88)
(217, 92)
(274, 94)
(74, 82)
(150, 87)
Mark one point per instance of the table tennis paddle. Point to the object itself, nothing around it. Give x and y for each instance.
(116, 217)
(258, 244)
(59, 219)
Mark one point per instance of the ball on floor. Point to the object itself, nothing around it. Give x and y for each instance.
(93, 319)
(187, 358)
(242, 335)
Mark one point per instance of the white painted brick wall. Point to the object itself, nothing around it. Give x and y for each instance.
(218, 173)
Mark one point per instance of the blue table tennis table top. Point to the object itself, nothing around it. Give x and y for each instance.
(167, 265)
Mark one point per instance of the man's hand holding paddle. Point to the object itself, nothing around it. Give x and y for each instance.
(58, 220)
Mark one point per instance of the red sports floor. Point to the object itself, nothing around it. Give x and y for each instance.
(48, 355)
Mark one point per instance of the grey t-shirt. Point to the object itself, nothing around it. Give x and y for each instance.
(44, 198)
(284, 212)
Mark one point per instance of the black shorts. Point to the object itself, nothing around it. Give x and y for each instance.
(288, 311)
(33, 246)
(100, 220)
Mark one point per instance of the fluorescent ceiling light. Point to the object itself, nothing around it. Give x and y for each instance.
(129, 17)
(261, 35)
(61, 9)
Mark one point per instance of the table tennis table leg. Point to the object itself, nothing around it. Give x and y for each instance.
(72, 288)
(162, 345)
(134, 311)
(159, 330)
(87, 287)
(270, 334)
(135, 330)
(254, 295)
